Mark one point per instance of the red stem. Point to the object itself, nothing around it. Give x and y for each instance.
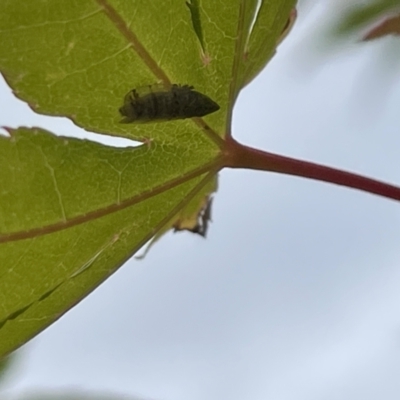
(240, 156)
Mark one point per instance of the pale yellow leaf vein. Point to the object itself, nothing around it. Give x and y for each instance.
(55, 184)
(86, 69)
(49, 23)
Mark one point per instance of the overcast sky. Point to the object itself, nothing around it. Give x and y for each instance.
(295, 293)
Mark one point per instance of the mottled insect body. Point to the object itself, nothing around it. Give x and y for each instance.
(163, 104)
(198, 225)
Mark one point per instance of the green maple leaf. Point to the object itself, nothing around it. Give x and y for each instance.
(73, 211)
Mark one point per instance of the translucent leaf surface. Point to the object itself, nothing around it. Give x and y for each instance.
(73, 211)
(68, 201)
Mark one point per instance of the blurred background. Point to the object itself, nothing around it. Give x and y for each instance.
(294, 295)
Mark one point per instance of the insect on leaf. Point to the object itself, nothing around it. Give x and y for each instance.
(162, 104)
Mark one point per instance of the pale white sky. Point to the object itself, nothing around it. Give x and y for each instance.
(294, 295)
